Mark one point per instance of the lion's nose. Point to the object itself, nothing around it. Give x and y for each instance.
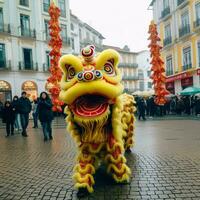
(89, 75)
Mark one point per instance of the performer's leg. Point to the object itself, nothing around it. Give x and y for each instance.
(116, 161)
(84, 171)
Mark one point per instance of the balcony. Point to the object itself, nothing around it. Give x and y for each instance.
(197, 23)
(169, 73)
(28, 66)
(165, 12)
(186, 67)
(66, 41)
(130, 78)
(181, 3)
(5, 64)
(128, 65)
(167, 41)
(5, 28)
(46, 7)
(184, 30)
(28, 33)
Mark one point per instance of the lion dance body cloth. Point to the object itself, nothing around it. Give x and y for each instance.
(99, 117)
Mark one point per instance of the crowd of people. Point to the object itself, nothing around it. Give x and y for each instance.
(15, 114)
(175, 105)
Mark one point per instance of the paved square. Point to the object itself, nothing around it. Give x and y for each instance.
(165, 164)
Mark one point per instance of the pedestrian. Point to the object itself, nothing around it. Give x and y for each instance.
(141, 108)
(24, 107)
(1, 109)
(45, 114)
(35, 113)
(9, 118)
(17, 122)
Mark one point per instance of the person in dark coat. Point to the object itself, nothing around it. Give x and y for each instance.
(45, 114)
(35, 113)
(9, 118)
(141, 108)
(17, 123)
(24, 107)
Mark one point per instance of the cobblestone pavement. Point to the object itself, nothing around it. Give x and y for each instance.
(165, 164)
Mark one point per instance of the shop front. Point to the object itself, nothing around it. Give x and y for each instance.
(186, 82)
(30, 88)
(170, 86)
(5, 91)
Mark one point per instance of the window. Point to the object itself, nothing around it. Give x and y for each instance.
(149, 85)
(64, 32)
(1, 20)
(46, 26)
(61, 5)
(25, 25)
(187, 63)
(185, 19)
(198, 45)
(27, 53)
(80, 34)
(148, 73)
(169, 66)
(87, 35)
(46, 4)
(197, 10)
(73, 46)
(48, 59)
(165, 4)
(2, 56)
(167, 31)
(94, 39)
(24, 3)
(72, 27)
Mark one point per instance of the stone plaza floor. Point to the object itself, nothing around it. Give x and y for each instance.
(165, 164)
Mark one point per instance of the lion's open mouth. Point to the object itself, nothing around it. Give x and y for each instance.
(90, 105)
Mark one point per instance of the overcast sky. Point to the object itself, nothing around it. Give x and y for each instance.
(121, 22)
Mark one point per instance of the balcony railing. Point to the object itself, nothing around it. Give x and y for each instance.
(184, 30)
(165, 12)
(188, 66)
(28, 33)
(130, 78)
(129, 65)
(167, 41)
(197, 23)
(46, 7)
(169, 73)
(28, 66)
(4, 28)
(66, 40)
(179, 2)
(5, 64)
(45, 67)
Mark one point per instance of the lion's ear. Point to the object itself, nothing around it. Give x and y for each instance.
(107, 56)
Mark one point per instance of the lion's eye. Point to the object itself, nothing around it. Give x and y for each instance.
(70, 72)
(109, 69)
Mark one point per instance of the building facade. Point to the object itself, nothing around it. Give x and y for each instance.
(83, 34)
(24, 50)
(144, 70)
(128, 68)
(178, 23)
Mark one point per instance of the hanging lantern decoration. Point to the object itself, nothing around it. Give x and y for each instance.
(157, 67)
(56, 44)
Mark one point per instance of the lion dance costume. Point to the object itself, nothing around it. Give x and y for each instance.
(99, 117)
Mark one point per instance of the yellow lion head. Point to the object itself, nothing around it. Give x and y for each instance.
(90, 83)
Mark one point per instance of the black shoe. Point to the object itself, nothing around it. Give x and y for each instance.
(12, 133)
(7, 136)
(128, 150)
(45, 139)
(24, 135)
(50, 137)
(82, 192)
